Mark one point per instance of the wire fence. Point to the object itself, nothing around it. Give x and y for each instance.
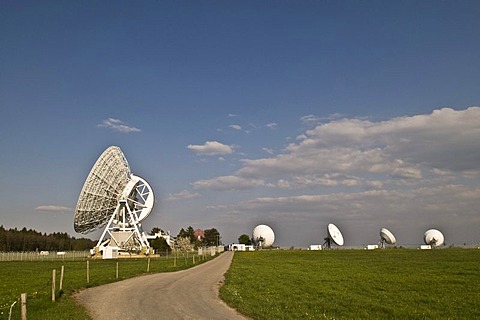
(11, 305)
(44, 256)
(83, 255)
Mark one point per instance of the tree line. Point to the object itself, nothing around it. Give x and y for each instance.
(186, 240)
(211, 237)
(32, 240)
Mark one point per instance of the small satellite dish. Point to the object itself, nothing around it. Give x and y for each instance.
(433, 237)
(334, 235)
(386, 237)
(115, 198)
(263, 236)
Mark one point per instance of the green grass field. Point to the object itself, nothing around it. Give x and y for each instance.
(35, 279)
(355, 284)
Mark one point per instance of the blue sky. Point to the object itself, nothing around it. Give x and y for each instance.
(291, 114)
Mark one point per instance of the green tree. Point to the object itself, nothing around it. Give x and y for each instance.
(187, 234)
(244, 239)
(155, 230)
(31, 240)
(211, 237)
(160, 245)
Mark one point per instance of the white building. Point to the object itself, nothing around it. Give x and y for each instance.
(240, 247)
(169, 239)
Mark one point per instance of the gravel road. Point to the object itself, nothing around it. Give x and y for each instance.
(186, 294)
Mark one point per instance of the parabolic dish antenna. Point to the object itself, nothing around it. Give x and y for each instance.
(433, 237)
(386, 237)
(263, 236)
(334, 235)
(114, 198)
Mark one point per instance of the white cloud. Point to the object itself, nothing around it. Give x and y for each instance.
(235, 127)
(54, 209)
(373, 153)
(272, 125)
(313, 119)
(445, 139)
(117, 125)
(268, 150)
(211, 148)
(421, 204)
(182, 195)
(309, 118)
(284, 184)
(225, 183)
(326, 180)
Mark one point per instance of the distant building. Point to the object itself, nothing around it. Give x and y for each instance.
(315, 247)
(240, 247)
(199, 234)
(169, 239)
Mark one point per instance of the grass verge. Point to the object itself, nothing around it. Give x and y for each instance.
(35, 279)
(355, 284)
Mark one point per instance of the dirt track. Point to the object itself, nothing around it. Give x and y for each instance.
(186, 294)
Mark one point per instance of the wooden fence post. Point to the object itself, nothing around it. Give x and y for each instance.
(116, 273)
(88, 271)
(148, 265)
(53, 284)
(24, 306)
(61, 278)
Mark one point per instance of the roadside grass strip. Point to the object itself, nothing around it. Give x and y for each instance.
(35, 279)
(355, 284)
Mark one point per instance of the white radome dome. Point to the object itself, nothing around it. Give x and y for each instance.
(265, 232)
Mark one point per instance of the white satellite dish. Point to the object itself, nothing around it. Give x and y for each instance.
(263, 236)
(334, 235)
(386, 237)
(433, 237)
(115, 198)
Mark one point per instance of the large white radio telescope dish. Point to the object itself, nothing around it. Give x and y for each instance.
(334, 235)
(433, 237)
(114, 197)
(386, 237)
(263, 236)
(102, 190)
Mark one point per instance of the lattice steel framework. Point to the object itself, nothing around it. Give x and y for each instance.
(115, 198)
(102, 190)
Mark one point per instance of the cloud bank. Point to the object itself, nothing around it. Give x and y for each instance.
(370, 153)
(421, 170)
